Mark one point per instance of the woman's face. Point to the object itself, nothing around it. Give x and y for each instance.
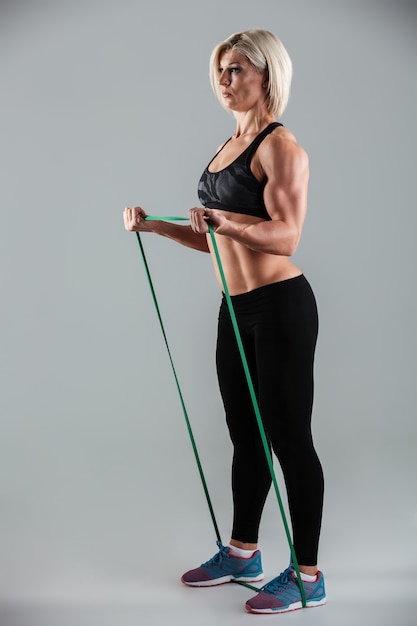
(240, 83)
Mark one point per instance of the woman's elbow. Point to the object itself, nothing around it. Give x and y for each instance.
(292, 244)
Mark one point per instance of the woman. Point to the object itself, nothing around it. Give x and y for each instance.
(254, 194)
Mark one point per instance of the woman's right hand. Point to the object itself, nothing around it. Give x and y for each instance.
(134, 219)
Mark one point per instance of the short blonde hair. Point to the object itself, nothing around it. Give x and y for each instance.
(265, 52)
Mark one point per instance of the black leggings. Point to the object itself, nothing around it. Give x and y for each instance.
(278, 324)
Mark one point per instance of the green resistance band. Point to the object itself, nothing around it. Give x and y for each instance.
(251, 390)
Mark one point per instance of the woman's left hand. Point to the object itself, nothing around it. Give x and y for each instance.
(200, 218)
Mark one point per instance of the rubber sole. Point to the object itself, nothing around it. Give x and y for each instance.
(223, 580)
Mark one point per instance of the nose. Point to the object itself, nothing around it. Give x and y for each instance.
(224, 79)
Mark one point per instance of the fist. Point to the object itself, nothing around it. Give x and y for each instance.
(134, 219)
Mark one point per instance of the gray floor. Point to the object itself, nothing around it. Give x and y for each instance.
(354, 601)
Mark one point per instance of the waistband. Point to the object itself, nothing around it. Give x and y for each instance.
(271, 288)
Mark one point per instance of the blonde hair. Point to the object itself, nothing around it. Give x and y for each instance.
(266, 53)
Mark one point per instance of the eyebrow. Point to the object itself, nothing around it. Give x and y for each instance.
(230, 64)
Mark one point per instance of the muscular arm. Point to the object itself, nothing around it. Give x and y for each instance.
(285, 166)
(134, 220)
(181, 234)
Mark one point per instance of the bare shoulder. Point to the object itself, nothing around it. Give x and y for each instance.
(280, 149)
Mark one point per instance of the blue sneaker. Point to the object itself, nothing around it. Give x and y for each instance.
(283, 594)
(224, 567)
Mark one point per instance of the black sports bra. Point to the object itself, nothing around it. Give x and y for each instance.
(235, 188)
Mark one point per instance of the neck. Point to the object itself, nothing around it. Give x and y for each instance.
(249, 123)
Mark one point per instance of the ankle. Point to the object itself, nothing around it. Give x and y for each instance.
(310, 570)
(243, 546)
(242, 553)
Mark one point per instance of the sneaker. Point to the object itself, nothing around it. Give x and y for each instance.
(283, 594)
(223, 568)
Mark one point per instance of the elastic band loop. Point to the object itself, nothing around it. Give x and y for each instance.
(166, 218)
(251, 390)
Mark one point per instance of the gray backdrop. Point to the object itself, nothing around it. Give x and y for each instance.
(108, 104)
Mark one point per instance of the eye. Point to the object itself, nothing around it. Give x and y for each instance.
(230, 70)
